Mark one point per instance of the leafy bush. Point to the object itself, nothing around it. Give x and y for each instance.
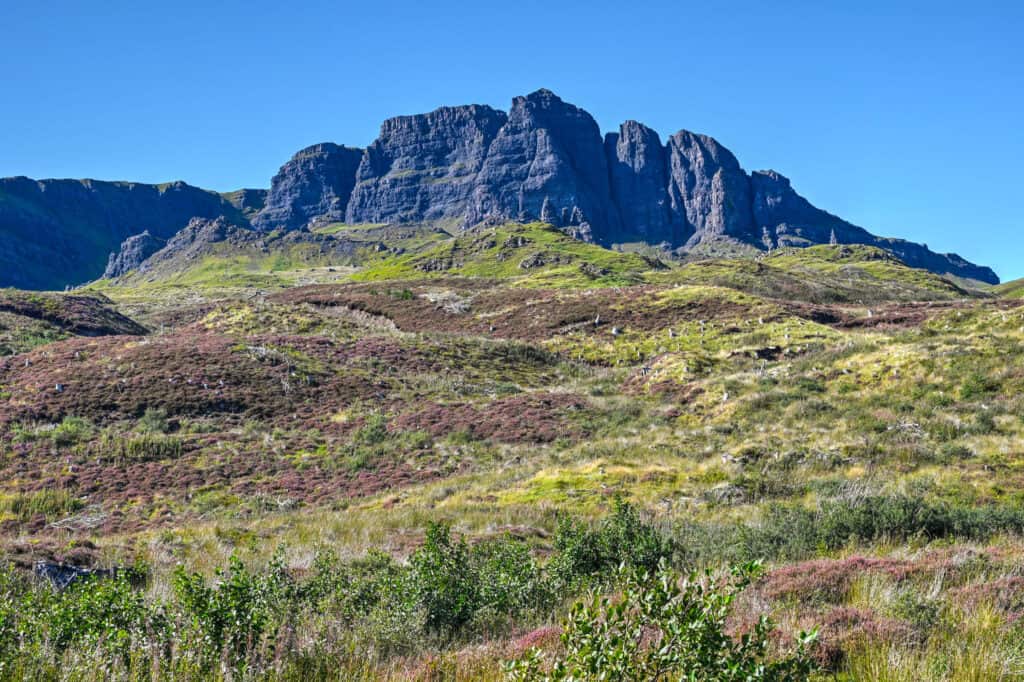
(440, 581)
(154, 421)
(233, 616)
(665, 628)
(795, 532)
(622, 537)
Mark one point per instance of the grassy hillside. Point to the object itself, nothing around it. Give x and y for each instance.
(407, 461)
(824, 274)
(534, 254)
(1014, 289)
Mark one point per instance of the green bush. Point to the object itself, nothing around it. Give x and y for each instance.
(154, 421)
(665, 628)
(621, 538)
(233, 617)
(441, 582)
(71, 431)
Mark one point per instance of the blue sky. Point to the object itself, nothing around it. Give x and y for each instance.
(903, 117)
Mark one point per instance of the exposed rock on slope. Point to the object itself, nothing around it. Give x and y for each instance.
(133, 252)
(546, 161)
(315, 184)
(424, 168)
(784, 218)
(637, 167)
(708, 191)
(193, 241)
(549, 154)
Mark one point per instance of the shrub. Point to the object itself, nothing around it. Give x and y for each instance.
(665, 628)
(233, 616)
(440, 581)
(154, 421)
(374, 430)
(622, 537)
(70, 431)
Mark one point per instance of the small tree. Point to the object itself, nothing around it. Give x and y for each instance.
(664, 628)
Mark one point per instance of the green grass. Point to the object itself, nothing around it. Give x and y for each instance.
(534, 255)
(823, 274)
(1013, 289)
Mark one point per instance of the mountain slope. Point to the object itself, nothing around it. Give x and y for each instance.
(453, 168)
(1014, 289)
(59, 232)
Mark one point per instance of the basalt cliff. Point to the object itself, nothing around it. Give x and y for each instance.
(455, 167)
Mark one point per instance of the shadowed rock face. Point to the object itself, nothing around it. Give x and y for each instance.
(134, 251)
(315, 184)
(638, 171)
(59, 232)
(708, 191)
(549, 152)
(424, 167)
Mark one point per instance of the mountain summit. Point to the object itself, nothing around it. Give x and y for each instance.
(546, 160)
(455, 167)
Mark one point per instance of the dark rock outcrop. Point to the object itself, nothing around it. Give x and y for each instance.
(59, 232)
(709, 193)
(784, 218)
(548, 154)
(192, 242)
(638, 170)
(424, 168)
(314, 185)
(133, 252)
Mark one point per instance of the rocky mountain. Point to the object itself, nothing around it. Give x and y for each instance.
(248, 201)
(454, 167)
(60, 232)
(425, 167)
(546, 160)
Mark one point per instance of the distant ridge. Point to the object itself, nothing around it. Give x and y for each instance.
(455, 167)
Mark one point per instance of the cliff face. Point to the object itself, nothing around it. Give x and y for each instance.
(315, 184)
(638, 172)
(547, 159)
(425, 167)
(59, 232)
(457, 166)
(133, 253)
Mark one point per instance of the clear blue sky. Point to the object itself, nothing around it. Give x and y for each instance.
(904, 117)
